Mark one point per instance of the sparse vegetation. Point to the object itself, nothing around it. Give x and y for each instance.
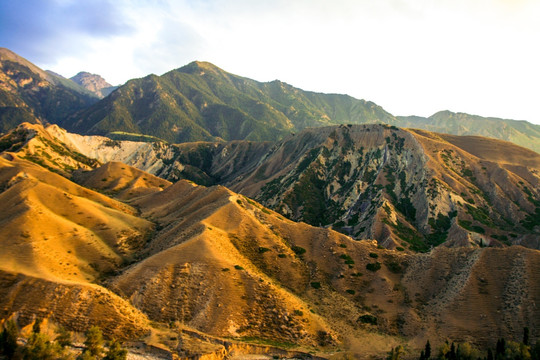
(263, 249)
(368, 319)
(298, 250)
(373, 266)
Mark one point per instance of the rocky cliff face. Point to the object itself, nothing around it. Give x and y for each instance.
(94, 83)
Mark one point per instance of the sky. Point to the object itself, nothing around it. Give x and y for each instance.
(412, 57)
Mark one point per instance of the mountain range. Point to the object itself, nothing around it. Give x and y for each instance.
(201, 102)
(202, 214)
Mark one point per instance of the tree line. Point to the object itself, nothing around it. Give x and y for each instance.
(39, 346)
(504, 350)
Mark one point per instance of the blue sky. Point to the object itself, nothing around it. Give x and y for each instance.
(409, 56)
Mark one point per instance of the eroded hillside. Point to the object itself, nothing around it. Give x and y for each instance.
(406, 188)
(191, 268)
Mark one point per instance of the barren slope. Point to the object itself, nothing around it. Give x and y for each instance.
(223, 265)
(57, 230)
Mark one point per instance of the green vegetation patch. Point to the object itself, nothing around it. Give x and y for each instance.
(374, 266)
(368, 319)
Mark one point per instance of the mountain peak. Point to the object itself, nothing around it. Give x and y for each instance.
(8, 55)
(93, 82)
(198, 67)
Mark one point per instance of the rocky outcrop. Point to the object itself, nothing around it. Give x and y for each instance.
(94, 83)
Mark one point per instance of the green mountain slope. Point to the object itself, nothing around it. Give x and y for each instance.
(519, 132)
(202, 102)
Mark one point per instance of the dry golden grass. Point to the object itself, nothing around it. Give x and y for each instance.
(57, 230)
(120, 180)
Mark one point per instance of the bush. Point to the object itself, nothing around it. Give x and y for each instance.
(8, 339)
(40, 347)
(298, 250)
(94, 341)
(316, 285)
(116, 351)
(238, 267)
(373, 266)
(350, 291)
(347, 258)
(368, 319)
(373, 255)
(394, 267)
(64, 337)
(262, 249)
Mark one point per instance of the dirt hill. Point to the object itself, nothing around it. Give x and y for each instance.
(193, 269)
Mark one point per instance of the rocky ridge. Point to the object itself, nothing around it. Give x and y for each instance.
(408, 189)
(94, 83)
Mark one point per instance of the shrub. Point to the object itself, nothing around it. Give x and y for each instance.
(64, 337)
(347, 258)
(94, 341)
(368, 319)
(373, 266)
(298, 250)
(116, 351)
(373, 255)
(316, 285)
(40, 347)
(238, 267)
(262, 250)
(394, 267)
(350, 291)
(8, 339)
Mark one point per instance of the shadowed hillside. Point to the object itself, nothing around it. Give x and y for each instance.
(29, 94)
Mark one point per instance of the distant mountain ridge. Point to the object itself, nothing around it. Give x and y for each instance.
(201, 102)
(29, 94)
(94, 83)
(522, 133)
